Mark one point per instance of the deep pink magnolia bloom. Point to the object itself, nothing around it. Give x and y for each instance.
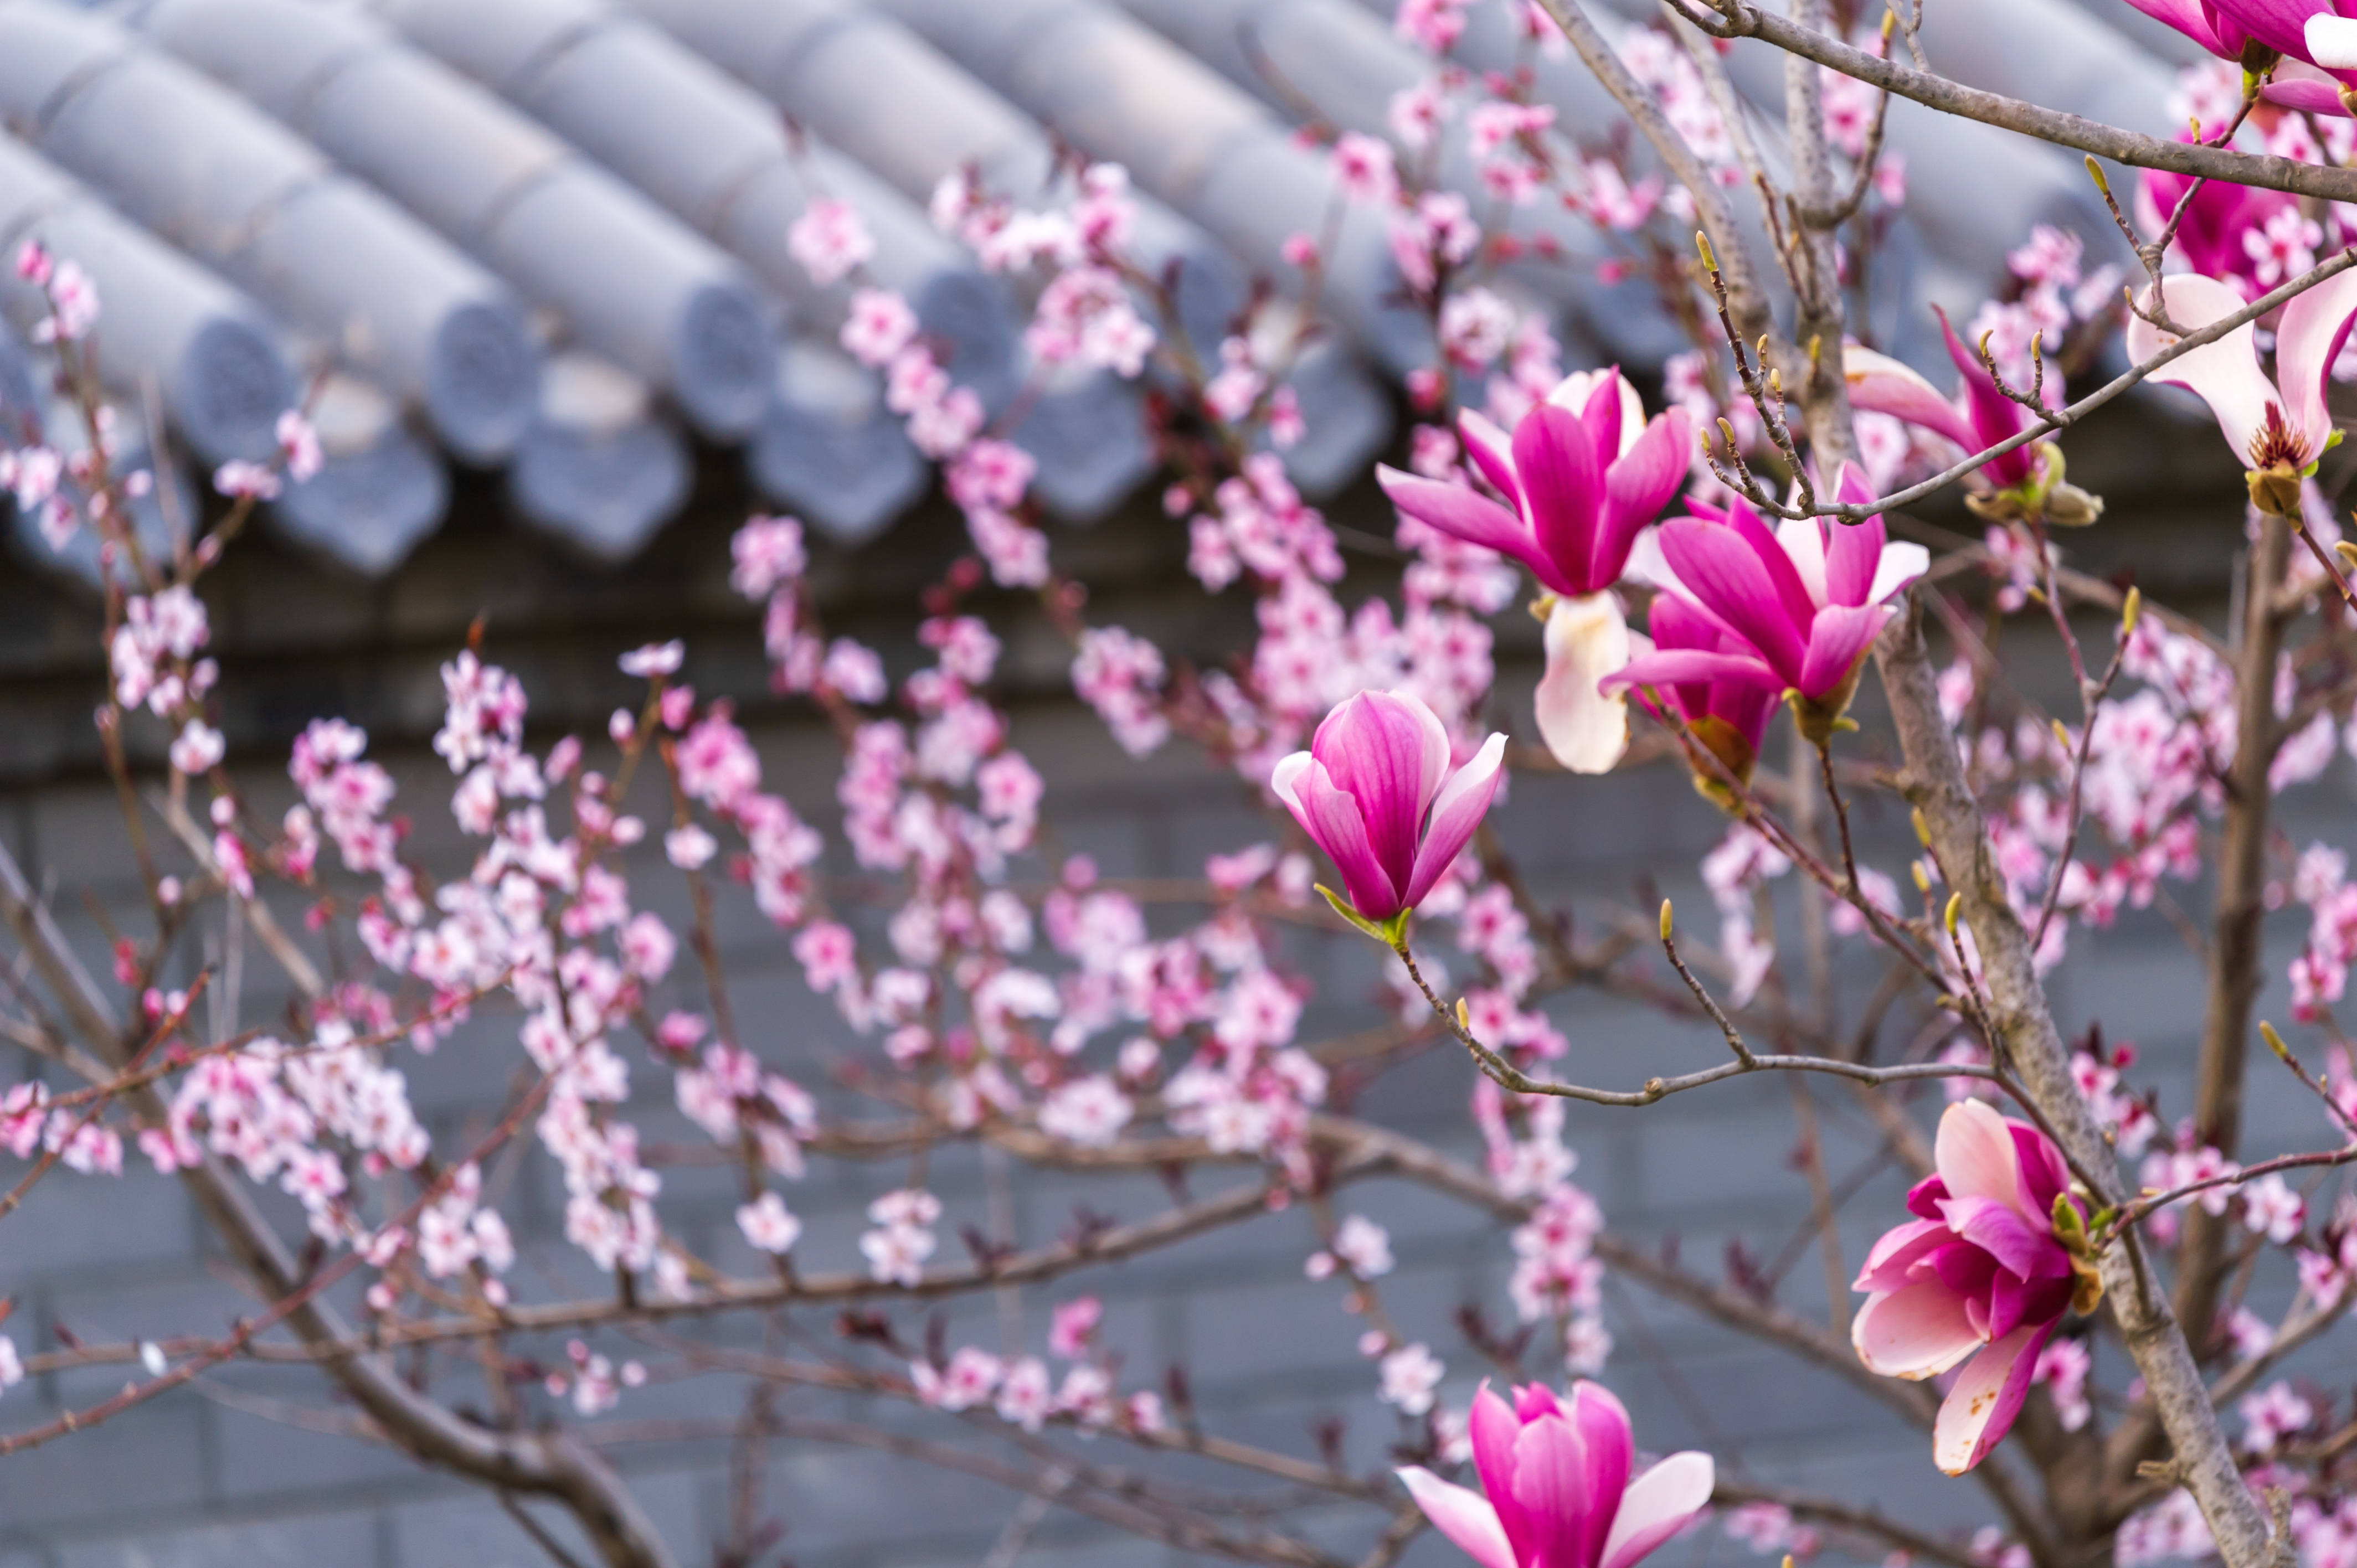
(1375, 791)
(1556, 1472)
(2278, 432)
(1582, 473)
(1802, 603)
(1979, 1272)
(1582, 478)
(1985, 417)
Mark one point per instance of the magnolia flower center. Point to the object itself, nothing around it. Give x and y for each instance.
(2278, 444)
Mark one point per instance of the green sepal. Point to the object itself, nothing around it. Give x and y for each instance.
(1392, 933)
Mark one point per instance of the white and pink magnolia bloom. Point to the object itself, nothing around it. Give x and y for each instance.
(1979, 1272)
(1376, 792)
(2279, 426)
(1556, 1473)
(1583, 473)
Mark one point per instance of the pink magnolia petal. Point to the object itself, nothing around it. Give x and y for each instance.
(1888, 1264)
(1916, 1332)
(2279, 23)
(1578, 390)
(2310, 336)
(1461, 1515)
(1974, 1152)
(1533, 1401)
(1456, 814)
(2300, 87)
(1492, 451)
(2043, 1175)
(1729, 577)
(1803, 540)
(2332, 41)
(1477, 520)
(1657, 1505)
(1638, 486)
(1601, 414)
(1882, 384)
(2027, 1247)
(1492, 1425)
(1586, 640)
(1853, 556)
(1563, 490)
(1331, 818)
(2224, 374)
(1607, 1453)
(1838, 638)
(1979, 1409)
(2196, 21)
(1680, 666)
(1900, 564)
(1550, 1483)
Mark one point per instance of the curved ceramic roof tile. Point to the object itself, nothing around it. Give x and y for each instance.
(217, 361)
(630, 280)
(414, 191)
(204, 169)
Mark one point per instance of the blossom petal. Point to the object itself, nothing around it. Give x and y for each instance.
(1974, 1152)
(1586, 639)
(2332, 41)
(1838, 638)
(1491, 449)
(1461, 514)
(1639, 484)
(1607, 1453)
(1803, 540)
(2044, 1177)
(2310, 336)
(1900, 564)
(1456, 814)
(1576, 392)
(1993, 416)
(1681, 666)
(1916, 1332)
(1979, 1409)
(2224, 374)
(1461, 1515)
(1492, 1426)
(1657, 1505)
(1883, 385)
(1563, 489)
(2023, 1246)
(1887, 1265)
(1853, 559)
(1728, 578)
(1331, 817)
(2300, 86)
(1550, 1483)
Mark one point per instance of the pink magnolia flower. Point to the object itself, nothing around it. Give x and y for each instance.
(1375, 791)
(1884, 386)
(1556, 1472)
(1583, 473)
(1979, 1272)
(1802, 603)
(2279, 434)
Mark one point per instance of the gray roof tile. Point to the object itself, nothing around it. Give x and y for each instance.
(422, 201)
